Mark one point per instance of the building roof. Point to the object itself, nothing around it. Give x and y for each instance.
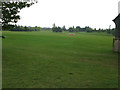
(116, 18)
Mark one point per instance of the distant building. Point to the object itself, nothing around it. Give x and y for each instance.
(116, 40)
(117, 23)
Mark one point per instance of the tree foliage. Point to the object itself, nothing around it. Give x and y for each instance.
(57, 29)
(10, 12)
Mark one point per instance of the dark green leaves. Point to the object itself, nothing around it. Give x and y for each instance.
(10, 11)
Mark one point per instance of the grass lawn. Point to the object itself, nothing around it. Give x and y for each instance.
(56, 60)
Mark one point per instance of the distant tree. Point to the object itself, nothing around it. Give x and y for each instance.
(113, 31)
(89, 29)
(64, 28)
(86, 28)
(56, 29)
(54, 25)
(78, 29)
(102, 30)
(95, 30)
(59, 29)
(99, 30)
(108, 31)
(71, 29)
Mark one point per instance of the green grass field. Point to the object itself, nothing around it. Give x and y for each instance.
(56, 60)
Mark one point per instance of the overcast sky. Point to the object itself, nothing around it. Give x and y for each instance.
(93, 13)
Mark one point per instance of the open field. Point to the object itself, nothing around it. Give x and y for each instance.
(56, 60)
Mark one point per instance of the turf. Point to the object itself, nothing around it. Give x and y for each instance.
(57, 60)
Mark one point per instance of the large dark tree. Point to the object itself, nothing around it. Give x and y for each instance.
(10, 12)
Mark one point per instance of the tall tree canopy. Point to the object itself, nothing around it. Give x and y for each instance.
(10, 12)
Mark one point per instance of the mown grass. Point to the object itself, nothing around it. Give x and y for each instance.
(56, 60)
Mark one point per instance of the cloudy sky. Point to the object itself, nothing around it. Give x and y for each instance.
(93, 13)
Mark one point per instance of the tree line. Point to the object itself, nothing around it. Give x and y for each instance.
(79, 29)
(25, 28)
(10, 15)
